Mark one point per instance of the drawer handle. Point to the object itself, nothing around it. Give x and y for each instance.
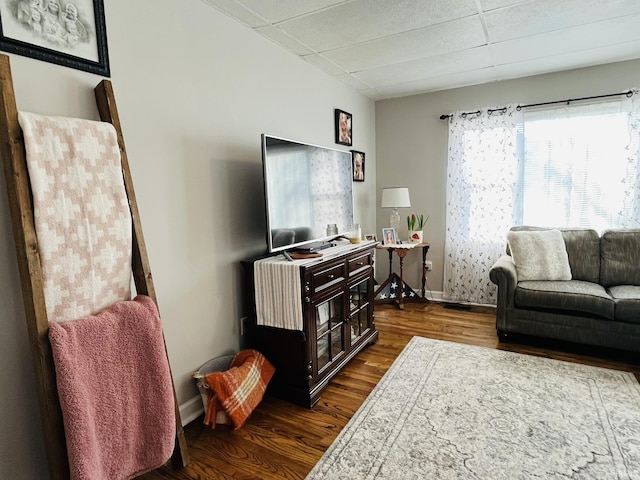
(331, 277)
(360, 264)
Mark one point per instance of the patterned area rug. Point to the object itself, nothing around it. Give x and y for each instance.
(451, 411)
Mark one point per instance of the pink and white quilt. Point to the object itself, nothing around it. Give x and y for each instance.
(81, 210)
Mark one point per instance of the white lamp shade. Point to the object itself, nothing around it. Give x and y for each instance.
(395, 197)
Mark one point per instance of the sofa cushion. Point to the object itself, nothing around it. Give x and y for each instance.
(571, 295)
(539, 255)
(620, 257)
(627, 302)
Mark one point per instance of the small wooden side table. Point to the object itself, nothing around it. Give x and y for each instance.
(402, 250)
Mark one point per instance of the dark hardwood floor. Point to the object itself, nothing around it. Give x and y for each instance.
(283, 441)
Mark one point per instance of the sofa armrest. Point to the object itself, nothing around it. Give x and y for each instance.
(504, 275)
(504, 270)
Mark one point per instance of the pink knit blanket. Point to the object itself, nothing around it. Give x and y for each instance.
(81, 213)
(115, 390)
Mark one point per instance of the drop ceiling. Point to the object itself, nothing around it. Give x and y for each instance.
(395, 48)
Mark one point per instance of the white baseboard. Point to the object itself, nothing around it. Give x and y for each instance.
(438, 297)
(191, 409)
(434, 296)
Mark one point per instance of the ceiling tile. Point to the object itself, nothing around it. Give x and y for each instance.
(237, 11)
(362, 20)
(472, 59)
(281, 38)
(323, 64)
(371, 93)
(278, 10)
(440, 82)
(584, 37)
(586, 58)
(442, 38)
(488, 5)
(548, 15)
(353, 82)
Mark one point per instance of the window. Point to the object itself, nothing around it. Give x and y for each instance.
(575, 167)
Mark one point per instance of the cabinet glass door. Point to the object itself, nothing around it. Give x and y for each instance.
(329, 321)
(359, 310)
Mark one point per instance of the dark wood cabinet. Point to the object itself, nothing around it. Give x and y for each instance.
(337, 322)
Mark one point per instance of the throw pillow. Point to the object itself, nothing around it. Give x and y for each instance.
(539, 255)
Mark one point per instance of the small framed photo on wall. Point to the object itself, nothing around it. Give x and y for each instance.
(357, 159)
(389, 236)
(343, 127)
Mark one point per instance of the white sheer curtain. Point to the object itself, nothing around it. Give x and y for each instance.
(632, 178)
(481, 186)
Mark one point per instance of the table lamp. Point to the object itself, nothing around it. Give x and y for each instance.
(395, 197)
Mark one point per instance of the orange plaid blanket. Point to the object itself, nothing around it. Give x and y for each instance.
(240, 389)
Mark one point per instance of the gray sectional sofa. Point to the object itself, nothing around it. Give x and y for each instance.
(599, 305)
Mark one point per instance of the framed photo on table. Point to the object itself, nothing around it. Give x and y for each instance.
(72, 34)
(389, 236)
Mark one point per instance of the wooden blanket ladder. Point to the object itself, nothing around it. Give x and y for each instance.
(22, 217)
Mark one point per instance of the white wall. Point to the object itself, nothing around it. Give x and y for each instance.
(411, 144)
(194, 90)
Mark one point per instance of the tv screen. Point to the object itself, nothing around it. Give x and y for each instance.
(308, 188)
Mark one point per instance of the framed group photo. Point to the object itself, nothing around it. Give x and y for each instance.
(389, 236)
(70, 33)
(343, 127)
(358, 165)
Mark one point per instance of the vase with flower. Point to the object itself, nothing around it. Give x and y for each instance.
(415, 225)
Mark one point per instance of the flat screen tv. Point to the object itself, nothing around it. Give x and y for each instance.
(307, 189)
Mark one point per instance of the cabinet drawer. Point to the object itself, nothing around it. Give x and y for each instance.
(359, 264)
(324, 278)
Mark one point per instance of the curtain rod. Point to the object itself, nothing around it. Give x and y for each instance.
(628, 94)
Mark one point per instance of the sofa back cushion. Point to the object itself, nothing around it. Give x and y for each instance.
(583, 249)
(620, 257)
